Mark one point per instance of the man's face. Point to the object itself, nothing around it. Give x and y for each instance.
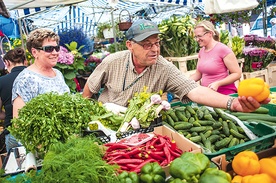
(146, 52)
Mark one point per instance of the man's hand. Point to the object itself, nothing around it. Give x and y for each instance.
(247, 104)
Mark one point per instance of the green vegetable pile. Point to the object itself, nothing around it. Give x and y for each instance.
(195, 168)
(50, 118)
(77, 160)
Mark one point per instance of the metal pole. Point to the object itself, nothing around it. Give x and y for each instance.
(114, 30)
(265, 17)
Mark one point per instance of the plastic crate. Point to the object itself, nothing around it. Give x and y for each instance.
(266, 137)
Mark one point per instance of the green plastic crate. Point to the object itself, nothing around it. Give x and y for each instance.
(266, 137)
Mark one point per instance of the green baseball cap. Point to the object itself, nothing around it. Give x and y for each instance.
(142, 29)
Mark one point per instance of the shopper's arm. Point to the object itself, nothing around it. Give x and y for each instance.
(18, 103)
(86, 92)
(208, 97)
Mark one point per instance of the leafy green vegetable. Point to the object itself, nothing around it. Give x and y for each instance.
(77, 160)
(50, 118)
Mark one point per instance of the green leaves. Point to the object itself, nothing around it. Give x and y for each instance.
(50, 118)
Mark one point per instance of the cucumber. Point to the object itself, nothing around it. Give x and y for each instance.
(217, 125)
(195, 139)
(190, 109)
(199, 114)
(208, 133)
(172, 114)
(180, 115)
(196, 123)
(183, 126)
(182, 108)
(222, 143)
(225, 128)
(169, 120)
(232, 125)
(191, 119)
(205, 122)
(233, 142)
(198, 129)
(237, 134)
(187, 114)
(213, 138)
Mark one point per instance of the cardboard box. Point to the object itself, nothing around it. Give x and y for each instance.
(183, 143)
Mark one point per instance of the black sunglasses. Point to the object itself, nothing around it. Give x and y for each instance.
(49, 49)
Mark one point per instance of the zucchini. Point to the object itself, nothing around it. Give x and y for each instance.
(261, 110)
(260, 117)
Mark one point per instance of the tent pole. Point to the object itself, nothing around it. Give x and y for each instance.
(114, 30)
(21, 33)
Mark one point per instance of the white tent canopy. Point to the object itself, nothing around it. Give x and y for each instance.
(60, 14)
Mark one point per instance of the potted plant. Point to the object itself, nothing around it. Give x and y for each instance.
(107, 27)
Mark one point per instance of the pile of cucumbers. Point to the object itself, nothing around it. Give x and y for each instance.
(211, 129)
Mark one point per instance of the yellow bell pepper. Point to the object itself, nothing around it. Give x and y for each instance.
(246, 163)
(273, 158)
(254, 87)
(257, 178)
(237, 179)
(268, 166)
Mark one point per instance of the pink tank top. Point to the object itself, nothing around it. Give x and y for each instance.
(212, 67)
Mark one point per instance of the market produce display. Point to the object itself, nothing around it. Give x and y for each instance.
(195, 168)
(259, 116)
(213, 130)
(273, 97)
(50, 118)
(250, 169)
(160, 149)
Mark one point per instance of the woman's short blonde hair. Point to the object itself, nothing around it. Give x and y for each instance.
(208, 27)
(35, 38)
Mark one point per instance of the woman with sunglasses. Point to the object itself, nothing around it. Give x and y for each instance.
(127, 72)
(14, 62)
(217, 66)
(40, 77)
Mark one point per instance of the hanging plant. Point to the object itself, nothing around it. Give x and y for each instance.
(235, 18)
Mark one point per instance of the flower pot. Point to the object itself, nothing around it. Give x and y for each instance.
(257, 65)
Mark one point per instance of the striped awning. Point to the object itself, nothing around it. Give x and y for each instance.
(89, 13)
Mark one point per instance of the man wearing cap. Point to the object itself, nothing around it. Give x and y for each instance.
(273, 27)
(124, 73)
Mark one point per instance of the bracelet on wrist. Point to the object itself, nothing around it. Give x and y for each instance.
(229, 103)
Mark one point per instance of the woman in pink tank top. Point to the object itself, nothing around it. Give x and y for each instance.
(217, 66)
